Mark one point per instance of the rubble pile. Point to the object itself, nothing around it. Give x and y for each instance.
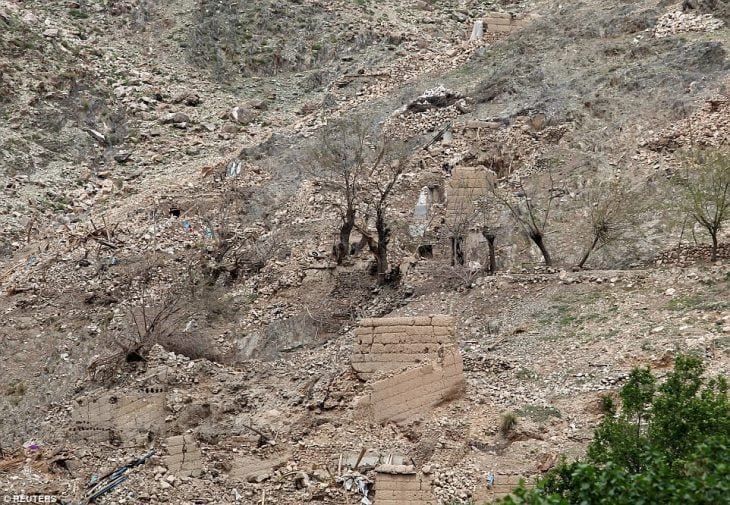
(686, 254)
(708, 126)
(415, 62)
(675, 22)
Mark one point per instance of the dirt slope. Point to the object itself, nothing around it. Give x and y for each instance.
(145, 144)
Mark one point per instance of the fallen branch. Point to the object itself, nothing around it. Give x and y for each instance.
(264, 438)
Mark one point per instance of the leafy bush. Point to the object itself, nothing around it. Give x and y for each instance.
(668, 445)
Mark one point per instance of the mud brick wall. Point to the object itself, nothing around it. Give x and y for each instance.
(504, 22)
(465, 186)
(403, 489)
(183, 456)
(92, 420)
(129, 417)
(139, 414)
(416, 391)
(395, 342)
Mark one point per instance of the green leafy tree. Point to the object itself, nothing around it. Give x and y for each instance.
(669, 445)
(620, 439)
(688, 409)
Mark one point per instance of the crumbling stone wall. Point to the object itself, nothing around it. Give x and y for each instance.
(413, 392)
(505, 22)
(129, 418)
(370, 459)
(394, 342)
(183, 456)
(401, 485)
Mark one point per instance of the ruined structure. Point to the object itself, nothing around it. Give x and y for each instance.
(183, 456)
(402, 485)
(466, 187)
(423, 350)
(128, 419)
(505, 22)
(415, 391)
(394, 342)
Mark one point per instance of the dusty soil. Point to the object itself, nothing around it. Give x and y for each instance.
(145, 144)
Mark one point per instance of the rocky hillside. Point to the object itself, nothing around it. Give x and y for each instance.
(170, 211)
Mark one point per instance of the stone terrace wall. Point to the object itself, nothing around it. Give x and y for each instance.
(402, 488)
(463, 188)
(416, 391)
(504, 22)
(395, 342)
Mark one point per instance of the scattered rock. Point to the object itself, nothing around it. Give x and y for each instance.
(243, 114)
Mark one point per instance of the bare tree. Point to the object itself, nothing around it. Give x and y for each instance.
(531, 210)
(390, 164)
(704, 191)
(610, 209)
(489, 209)
(343, 158)
(379, 247)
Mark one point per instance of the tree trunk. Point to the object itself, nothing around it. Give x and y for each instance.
(492, 259)
(457, 250)
(588, 252)
(342, 249)
(540, 243)
(381, 254)
(382, 261)
(713, 251)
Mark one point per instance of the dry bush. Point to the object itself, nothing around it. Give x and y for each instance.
(610, 210)
(507, 423)
(154, 314)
